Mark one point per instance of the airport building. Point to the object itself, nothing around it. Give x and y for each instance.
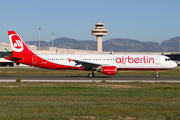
(5, 49)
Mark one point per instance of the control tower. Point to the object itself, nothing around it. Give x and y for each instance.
(99, 31)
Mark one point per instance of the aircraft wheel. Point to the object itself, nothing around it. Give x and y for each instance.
(90, 75)
(157, 75)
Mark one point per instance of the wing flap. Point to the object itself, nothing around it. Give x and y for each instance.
(85, 64)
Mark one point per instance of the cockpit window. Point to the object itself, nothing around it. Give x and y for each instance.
(167, 59)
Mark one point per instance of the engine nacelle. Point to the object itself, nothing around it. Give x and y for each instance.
(109, 70)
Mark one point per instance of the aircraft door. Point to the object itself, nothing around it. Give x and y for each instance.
(157, 60)
(34, 59)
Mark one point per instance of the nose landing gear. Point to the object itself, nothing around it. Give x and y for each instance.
(157, 75)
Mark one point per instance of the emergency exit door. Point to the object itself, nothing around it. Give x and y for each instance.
(157, 60)
(34, 59)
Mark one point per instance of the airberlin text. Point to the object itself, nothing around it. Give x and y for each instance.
(136, 60)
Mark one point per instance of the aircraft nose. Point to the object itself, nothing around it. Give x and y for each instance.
(174, 64)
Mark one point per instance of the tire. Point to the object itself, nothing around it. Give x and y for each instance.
(90, 75)
(157, 75)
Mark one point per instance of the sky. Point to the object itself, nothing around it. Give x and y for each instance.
(143, 20)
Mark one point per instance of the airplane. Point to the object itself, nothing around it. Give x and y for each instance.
(105, 63)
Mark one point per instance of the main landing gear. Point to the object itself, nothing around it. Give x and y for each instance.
(91, 74)
(157, 75)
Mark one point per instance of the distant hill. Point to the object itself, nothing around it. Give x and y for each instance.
(171, 45)
(128, 45)
(115, 44)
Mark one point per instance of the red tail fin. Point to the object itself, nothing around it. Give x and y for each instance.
(17, 45)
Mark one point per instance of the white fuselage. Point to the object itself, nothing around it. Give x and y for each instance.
(121, 61)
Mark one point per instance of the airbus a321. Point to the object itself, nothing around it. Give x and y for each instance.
(105, 63)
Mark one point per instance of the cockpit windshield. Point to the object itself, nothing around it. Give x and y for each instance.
(167, 59)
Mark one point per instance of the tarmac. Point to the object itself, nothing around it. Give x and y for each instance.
(6, 78)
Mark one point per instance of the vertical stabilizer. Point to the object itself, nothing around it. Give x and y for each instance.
(17, 44)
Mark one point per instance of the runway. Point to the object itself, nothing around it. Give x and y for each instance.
(6, 78)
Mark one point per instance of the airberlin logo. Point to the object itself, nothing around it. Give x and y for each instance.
(128, 59)
(16, 43)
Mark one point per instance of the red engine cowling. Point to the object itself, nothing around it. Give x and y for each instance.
(109, 70)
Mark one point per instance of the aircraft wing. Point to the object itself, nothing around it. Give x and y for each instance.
(85, 64)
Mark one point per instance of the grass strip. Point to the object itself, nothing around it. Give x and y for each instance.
(82, 101)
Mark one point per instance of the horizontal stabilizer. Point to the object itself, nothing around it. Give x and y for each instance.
(12, 57)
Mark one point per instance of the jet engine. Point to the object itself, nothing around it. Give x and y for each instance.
(108, 70)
